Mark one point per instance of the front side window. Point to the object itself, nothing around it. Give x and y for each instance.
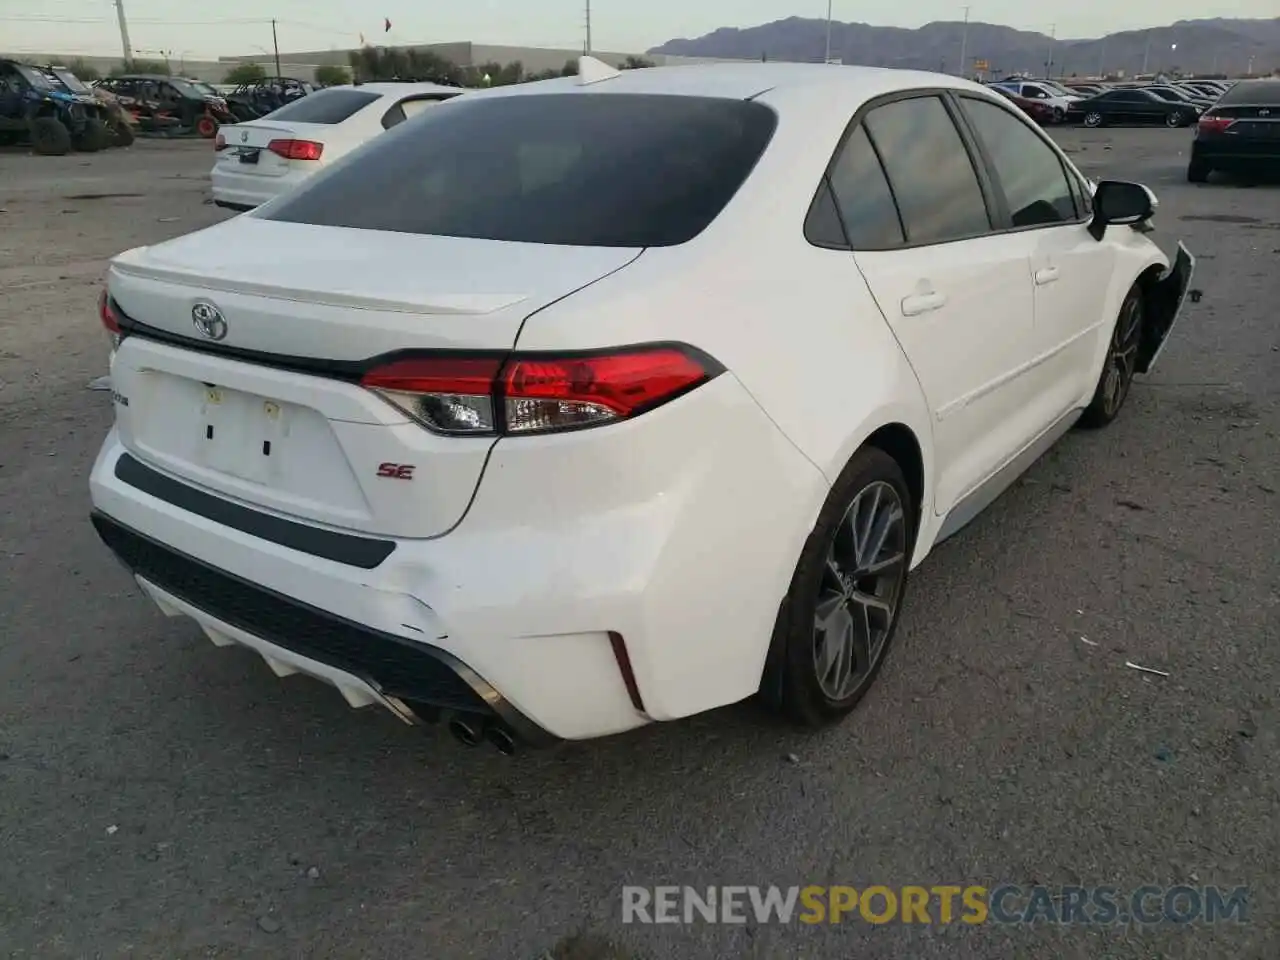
(581, 169)
(929, 169)
(1028, 170)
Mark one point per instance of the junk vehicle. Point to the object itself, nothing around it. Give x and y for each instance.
(120, 122)
(249, 101)
(36, 106)
(160, 100)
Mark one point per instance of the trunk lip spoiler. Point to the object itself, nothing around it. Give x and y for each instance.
(444, 305)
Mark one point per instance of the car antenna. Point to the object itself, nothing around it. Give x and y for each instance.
(591, 70)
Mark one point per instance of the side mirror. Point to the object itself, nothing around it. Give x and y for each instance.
(1120, 202)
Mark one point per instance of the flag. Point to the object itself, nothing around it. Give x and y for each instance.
(386, 24)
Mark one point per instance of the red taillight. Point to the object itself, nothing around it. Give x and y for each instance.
(1214, 124)
(532, 393)
(111, 322)
(296, 149)
(219, 142)
(107, 313)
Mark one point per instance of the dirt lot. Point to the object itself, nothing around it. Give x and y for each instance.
(161, 797)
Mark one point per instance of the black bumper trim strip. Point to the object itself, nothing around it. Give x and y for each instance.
(395, 666)
(345, 548)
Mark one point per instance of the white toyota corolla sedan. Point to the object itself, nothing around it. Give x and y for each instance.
(578, 405)
(261, 159)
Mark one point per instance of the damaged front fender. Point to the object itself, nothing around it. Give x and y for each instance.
(1164, 302)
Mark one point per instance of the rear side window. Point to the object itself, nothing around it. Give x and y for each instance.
(581, 169)
(929, 169)
(1030, 173)
(862, 196)
(405, 109)
(324, 106)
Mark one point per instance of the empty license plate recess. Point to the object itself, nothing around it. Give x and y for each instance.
(248, 155)
(242, 434)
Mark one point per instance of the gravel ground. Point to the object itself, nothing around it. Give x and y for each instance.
(162, 797)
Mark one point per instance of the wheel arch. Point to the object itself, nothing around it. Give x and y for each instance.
(901, 442)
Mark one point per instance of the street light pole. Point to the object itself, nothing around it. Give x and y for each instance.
(588, 50)
(275, 45)
(964, 45)
(827, 58)
(1053, 39)
(125, 45)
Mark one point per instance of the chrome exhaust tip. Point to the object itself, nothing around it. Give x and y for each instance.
(466, 732)
(501, 738)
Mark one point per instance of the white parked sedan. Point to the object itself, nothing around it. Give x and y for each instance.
(261, 159)
(583, 404)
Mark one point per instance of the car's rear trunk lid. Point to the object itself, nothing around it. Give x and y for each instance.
(272, 414)
(246, 146)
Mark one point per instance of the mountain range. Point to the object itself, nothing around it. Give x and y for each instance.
(1201, 46)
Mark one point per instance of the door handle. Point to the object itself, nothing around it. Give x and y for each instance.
(1046, 275)
(920, 303)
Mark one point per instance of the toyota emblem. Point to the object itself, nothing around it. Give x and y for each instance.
(209, 320)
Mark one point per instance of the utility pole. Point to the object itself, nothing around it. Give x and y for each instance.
(1048, 64)
(964, 46)
(587, 51)
(827, 58)
(1146, 56)
(275, 45)
(1102, 60)
(125, 45)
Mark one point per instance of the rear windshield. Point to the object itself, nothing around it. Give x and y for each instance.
(605, 170)
(324, 106)
(1253, 93)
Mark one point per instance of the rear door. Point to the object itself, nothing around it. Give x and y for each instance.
(956, 292)
(1071, 271)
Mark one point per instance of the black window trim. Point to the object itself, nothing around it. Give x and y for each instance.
(997, 214)
(1081, 217)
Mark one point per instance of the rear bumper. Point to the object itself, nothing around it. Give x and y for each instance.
(647, 533)
(1225, 152)
(245, 191)
(367, 666)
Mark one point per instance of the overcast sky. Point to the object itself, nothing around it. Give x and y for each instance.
(227, 27)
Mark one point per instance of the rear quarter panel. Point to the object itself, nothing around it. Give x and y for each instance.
(795, 324)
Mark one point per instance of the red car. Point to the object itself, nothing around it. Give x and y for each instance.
(1041, 113)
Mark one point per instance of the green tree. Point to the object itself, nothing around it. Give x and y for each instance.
(332, 75)
(635, 63)
(392, 63)
(245, 73)
(141, 66)
(82, 70)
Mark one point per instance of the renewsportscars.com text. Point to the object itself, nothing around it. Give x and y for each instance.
(942, 904)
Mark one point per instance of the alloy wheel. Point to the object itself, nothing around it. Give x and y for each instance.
(1093, 120)
(1122, 355)
(861, 586)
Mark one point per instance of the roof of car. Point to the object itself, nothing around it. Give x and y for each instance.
(743, 80)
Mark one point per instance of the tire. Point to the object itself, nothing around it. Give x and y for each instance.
(207, 127)
(1198, 171)
(821, 680)
(1116, 378)
(1059, 115)
(122, 134)
(94, 137)
(49, 137)
(1176, 119)
(1095, 119)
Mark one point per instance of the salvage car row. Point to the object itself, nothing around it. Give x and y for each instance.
(54, 111)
